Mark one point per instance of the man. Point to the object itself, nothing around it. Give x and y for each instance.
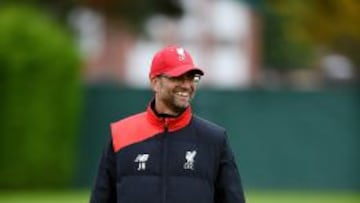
(166, 154)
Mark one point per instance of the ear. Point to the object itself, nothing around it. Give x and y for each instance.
(155, 84)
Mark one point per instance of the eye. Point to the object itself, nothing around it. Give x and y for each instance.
(176, 79)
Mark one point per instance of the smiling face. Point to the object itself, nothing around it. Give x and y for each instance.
(174, 94)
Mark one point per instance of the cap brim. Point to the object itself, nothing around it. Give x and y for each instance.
(178, 71)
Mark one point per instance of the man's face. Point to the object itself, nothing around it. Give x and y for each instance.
(175, 93)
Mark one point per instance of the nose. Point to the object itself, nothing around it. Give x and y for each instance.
(187, 83)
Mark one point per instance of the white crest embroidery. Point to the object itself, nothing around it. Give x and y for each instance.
(141, 159)
(181, 53)
(190, 156)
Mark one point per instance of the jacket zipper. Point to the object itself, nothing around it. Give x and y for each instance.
(164, 162)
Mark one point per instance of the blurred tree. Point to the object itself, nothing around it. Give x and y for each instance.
(336, 24)
(285, 46)
(133, 13)
(332, 24)
(40, 100)
(58, 8)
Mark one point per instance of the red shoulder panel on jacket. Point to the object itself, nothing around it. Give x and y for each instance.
(132, 130)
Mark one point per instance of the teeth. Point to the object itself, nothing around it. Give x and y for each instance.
(184, 94)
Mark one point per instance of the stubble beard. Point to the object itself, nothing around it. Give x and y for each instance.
(175, 105)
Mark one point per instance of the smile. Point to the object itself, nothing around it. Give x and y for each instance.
(183, 94)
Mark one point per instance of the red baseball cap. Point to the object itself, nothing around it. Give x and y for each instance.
(172, 61)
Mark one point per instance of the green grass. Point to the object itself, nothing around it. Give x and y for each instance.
(44, 197)
(252, 197)
(303, 197)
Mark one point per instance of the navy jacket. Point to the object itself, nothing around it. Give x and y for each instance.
(153, 159)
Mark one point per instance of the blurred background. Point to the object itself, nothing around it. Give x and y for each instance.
(281, 76)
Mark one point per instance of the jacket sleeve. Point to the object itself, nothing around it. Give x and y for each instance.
(228, 188)
(104, 189)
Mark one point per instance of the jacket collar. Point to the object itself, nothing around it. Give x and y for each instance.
(170, 123)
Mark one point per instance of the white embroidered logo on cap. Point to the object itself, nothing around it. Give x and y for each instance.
(181, 53)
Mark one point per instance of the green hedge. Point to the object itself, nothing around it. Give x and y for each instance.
(40, 97)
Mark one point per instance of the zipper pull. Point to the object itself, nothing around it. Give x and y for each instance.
(166, 125)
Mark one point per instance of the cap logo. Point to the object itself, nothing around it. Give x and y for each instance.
(181, 54)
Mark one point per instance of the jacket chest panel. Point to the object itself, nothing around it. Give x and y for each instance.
(177, 156)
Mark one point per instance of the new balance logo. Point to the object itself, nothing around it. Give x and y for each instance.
(190, 156)
(141, 159)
